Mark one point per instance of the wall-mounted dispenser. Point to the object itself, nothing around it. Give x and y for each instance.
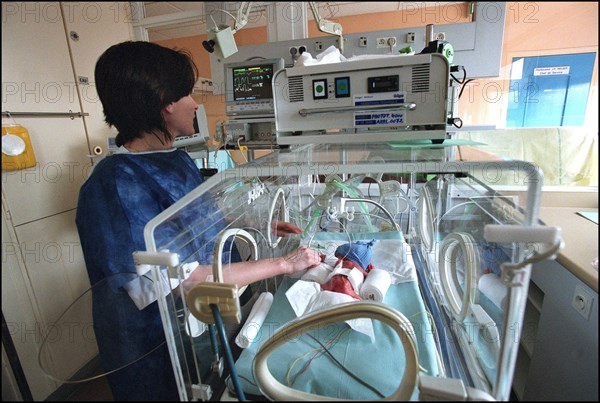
(17, 151)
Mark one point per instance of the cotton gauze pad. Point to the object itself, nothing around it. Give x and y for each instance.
(376, 285)
(257, 316)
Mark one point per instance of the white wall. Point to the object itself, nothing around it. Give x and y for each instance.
(43, 270)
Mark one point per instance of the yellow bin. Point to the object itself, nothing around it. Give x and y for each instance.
(17, 152)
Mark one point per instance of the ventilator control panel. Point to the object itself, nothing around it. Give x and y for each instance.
(381, 99)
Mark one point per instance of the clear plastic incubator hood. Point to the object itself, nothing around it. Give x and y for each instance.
(449, 269)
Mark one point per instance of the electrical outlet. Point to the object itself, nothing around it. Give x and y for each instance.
(410, 37)
(297, 50)
(440, 36)
(318, 46)
(362, 41)
(385, 42)
(582, 302)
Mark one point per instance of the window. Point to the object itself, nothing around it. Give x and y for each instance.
(549, 91)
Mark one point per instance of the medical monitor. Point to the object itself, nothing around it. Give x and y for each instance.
(248, 87)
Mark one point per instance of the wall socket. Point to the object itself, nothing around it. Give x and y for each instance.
(386, 42)
(297, 50)
(582, 302)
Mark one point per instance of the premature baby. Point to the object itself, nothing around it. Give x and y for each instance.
(356, 255)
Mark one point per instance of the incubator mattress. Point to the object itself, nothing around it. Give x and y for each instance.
(302, 363)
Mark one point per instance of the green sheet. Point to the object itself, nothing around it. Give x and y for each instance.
(380, 364)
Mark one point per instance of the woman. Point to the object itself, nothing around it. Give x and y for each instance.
(145, 92)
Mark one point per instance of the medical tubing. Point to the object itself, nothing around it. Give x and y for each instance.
(316, 352)
(261, 236)
(213, 340)
(227, 350)
(274, 390)
(459, 297)
(345, 369)
(425, 219)
(431, 303)
(279, 193)
(46, 338)
(381, 207)
(353, 194)
(312, 219)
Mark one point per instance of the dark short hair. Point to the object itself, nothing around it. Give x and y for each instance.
(136, 80)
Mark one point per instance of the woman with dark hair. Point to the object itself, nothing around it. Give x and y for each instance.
(145, 92)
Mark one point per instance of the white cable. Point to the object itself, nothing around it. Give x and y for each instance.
(214, 22)
(229, 14)
(240, 149)
(229, 153)
(223, 11)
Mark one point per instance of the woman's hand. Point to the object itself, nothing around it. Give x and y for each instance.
(283, 228)
(301, 259)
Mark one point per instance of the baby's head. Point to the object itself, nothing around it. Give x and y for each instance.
(358, 252)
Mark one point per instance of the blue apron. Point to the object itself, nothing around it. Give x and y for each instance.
(123, 193)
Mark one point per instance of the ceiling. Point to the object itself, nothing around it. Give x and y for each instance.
(258, 15)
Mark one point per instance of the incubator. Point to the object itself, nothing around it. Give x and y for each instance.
(446, 322)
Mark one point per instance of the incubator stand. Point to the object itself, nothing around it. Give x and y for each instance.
(439, 216)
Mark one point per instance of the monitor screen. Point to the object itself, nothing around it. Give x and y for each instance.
(252, 82)
(249, 87)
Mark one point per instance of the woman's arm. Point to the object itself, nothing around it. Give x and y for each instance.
(244, 273)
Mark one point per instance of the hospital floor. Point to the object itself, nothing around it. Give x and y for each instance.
(94, 390)
(91, 391)
(98, 391)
